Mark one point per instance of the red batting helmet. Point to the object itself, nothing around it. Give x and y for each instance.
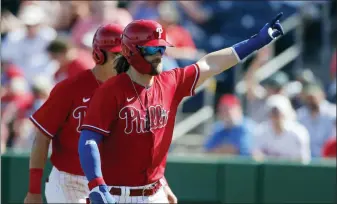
(106, 39)
(142, 33)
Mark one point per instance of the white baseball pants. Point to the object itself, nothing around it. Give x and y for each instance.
(63, 187)
(159, 197)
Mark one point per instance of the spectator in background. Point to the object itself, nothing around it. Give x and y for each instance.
(15, 92)
(331, 92)
(71, 60)
(8, 72)
(317, 115)
(63, 14)
(281, 136)
(15, 106)
(3, 137)
(144, 9)
(26, 47)
(9, 23)
(184, 49)
(41, 88)
(232, 133)
(103, 12)
(330, 146)
(295, 89)
(52, 8)
(257, 95)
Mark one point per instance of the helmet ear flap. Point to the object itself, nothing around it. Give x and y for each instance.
(99, 55)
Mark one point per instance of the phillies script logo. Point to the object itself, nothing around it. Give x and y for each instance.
(79, 114)
(136, 122)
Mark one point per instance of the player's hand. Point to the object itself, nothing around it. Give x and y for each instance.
(33, 198)
(170, 196)
(271, 30)
(100, 194)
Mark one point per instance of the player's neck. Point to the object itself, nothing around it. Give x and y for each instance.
(71, 54)
(141, 79)
(102, 72)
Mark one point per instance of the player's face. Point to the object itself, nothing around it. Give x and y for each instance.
(156, 63)
(154, 55)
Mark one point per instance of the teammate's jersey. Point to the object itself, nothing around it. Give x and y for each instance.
(135, 148)
(61, 116)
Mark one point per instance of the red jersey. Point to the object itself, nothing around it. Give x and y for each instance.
(138, 134)
(329, 148)
(61, 116)
(83, 61)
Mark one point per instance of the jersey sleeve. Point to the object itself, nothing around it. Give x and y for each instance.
(102, 112)
(50, 117)
(186, 80)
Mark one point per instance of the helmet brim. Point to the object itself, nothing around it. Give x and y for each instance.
(156, 42)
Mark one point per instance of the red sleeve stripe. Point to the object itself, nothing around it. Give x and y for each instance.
(95, 128)
(197, 73)
(42, 129)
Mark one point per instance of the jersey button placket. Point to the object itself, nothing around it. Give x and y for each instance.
(147, 99)
(148, 94)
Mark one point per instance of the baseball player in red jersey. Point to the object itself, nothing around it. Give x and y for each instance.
(134, 126)
(59, 120)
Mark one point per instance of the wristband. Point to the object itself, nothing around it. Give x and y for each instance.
(35, 177)
(96, 182)
(246, 47)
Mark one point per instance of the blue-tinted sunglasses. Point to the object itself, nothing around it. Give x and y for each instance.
(151, 50)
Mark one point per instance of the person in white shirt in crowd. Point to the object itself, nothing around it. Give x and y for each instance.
(26, 46)
(257, 93)
(318, 116)
(281, 136)
(303, 78)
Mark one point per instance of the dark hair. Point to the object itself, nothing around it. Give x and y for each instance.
(59, 45)
(122, 64)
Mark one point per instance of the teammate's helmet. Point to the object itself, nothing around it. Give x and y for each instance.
(106, 39)
(142, 33)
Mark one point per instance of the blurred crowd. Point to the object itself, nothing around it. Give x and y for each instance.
(289, 115)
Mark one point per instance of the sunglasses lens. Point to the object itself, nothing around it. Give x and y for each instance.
(152, 50)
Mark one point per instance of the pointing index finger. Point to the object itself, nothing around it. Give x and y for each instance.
(276, 18)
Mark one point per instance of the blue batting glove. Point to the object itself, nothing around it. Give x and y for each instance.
(267, 34)
(100, 194)
(271, 30)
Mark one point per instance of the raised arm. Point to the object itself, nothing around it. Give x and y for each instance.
(216, 62)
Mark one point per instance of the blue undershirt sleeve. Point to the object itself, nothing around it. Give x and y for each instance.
(89, 154)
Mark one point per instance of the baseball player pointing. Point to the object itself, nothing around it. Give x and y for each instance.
(59, 119)
(134, 124)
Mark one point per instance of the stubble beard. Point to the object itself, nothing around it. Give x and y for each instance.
(156, 69)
